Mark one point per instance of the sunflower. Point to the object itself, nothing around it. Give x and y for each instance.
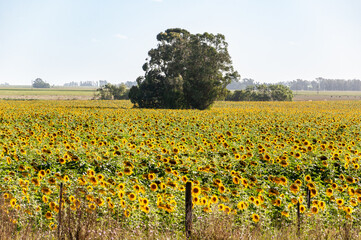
(308, 178)
(144, 209)
(329, 192)
(46, 190)
(175, 150)
(184, 179)
(145, 202)
(221, 189)
(313, 192)
(13, 202)
(302, 208)
(284, 163)
(52, 226)
(151, 176)
(322, 204)
(342, 177)
(132, 196)
(227, 209)
(195, 200)
(100, 177)
(214, 199)
(294, 188)
(348, 210)
(311, 185)
(277, 202)
(111, 205)
(51, 181)
(71, 198)
(93, 180)
(6, 195)
(221, 207)
(35, 181)
(353, 202)
(241, 205)
(236, 180)
(217, 181)
(350, 180)
(48, 215)
(196, 191)
(273, 192)
(42, 173)
(153, 187)
(66, 178)
(92, 206)
(340, 202)
(203, 201)
(285, 214)
(255, 217)
(314, 209)
(294, 201)
(99, 201)
(128, 171)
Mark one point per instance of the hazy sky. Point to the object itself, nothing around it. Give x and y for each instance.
(270, 41)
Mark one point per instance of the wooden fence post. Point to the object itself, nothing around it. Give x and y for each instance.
(60, 203)
(188, 220)
(298, 219)
(308, 198)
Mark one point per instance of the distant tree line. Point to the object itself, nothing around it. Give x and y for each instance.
(242, 84)
(261, 92)
(323, 84)
(113, 92)
(99, 83)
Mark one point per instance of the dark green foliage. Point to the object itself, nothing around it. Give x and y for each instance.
(110, 91)
(184, 71)
(39, 83)
(262, 92)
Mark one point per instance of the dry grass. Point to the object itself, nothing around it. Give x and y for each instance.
(81, 225)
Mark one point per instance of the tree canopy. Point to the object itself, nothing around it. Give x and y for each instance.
(262, 92)
(110, 91)
(184, 71)
(40, 83)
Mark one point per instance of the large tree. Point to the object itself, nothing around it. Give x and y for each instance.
(40, 83)
(185, 71)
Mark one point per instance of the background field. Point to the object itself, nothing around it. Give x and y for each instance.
(80, 93)
(326, 95)
(46, 93)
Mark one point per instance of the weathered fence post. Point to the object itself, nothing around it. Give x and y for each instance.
(308, 198)
(188, 220)
(60, 203)
(298, 218)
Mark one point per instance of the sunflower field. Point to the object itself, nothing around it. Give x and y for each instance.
(252, 160)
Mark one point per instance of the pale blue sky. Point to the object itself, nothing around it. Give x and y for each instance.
(88, 40)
